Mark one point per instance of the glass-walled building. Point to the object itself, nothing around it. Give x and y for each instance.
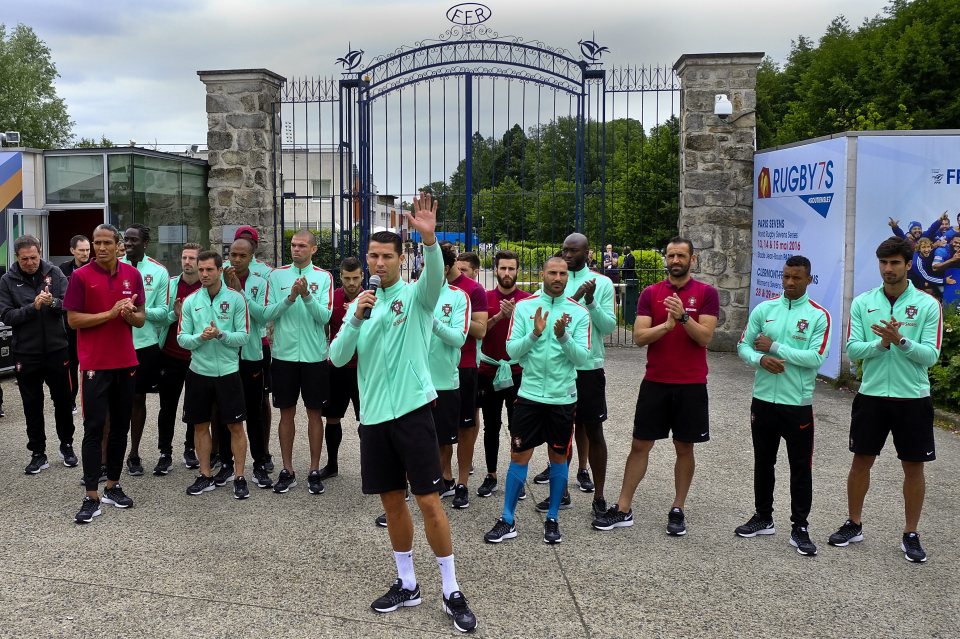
(123, 185)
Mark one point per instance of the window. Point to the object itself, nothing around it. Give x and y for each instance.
(321, 189)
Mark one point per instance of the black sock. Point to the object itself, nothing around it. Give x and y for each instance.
(333, 434)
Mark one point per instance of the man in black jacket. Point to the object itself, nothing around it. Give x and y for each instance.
(31, 301)
(80, 250)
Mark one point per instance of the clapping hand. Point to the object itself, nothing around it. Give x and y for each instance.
(540, 321)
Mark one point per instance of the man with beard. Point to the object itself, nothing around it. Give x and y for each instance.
(675, 320)
(550, 349)
(156, 286)
(894, 394)
(174, 361)
(343, 379)
(596, 292)
(80, 250)
(498, 377)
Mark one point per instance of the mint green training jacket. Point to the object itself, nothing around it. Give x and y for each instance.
(800, 330)
(156, 288)
(451, 322)
(255, 293)
(228, 309)
(299, 326)
(896, 371)
(603, 316)
(549, 364)
(392, 347)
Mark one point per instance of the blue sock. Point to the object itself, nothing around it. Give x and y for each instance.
(558, 484)
(516, 477)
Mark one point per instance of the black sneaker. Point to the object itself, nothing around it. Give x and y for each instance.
(164, 465)
(203, 484)
(583, 481)
(397, 597)
(501, 530)
(381, 520)
(328, 471)
(523, 492)
(488, 487)
(68, 456)
(261, 478)
(240, 490)
(224, 475)
(912, 550)
(285, 481)
(134, 467)
(268, 465)
(756, 525)
(456, 606)
(544, 506)
(314, 485)
(613, 518)
(543, 478)
(676, 523)
(116, 496)
(599, 507)
(88, 510)
(190, 458)
(551, 532)
(38, 462)
(849, 532)
(800, 539)
(461, 497)
(448, 488)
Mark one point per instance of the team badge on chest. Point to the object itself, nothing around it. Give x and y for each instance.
(911, 312)
(148, 280)
(447, 309)
(802, 326)
(224, 307)
(397, 307)
(313, 287)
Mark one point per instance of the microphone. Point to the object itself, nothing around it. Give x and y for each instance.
(374, 285)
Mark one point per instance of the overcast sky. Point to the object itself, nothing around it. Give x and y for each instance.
(128, 67)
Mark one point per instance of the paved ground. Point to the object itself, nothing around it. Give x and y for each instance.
(298, 565)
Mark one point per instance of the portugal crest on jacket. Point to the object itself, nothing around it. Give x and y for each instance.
(567, 318)
(313, 287)
(148, 279)
(397, 307)
(802, 326)
(911, 312)
(224, 306)
(447, 309)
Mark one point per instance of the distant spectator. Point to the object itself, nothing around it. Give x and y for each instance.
(628, 270)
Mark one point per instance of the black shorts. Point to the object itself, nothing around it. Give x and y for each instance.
(468, 397)
(292, 380)
(910, 420)
(343, 390)
(681, 408)
(398, 450)
(202, 392)
(535, 423)
(267, 379)
(591, 396)
(446, 416)
(148, 370)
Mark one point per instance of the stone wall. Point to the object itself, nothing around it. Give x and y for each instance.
(240, 104)
(716, 179)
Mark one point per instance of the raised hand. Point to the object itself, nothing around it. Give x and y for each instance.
(540, 321)
(674, 306)
(559, 328)
(424, 217)
(231, 278)
(892, 222)
(586, 291)
(366, 299)
(506, 308)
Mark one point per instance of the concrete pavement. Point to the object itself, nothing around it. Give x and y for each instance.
(299, 565)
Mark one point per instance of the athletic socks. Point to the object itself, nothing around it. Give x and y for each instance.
(558, 484)
(516, 477)
(405, 568)
(333, 434)
(449, 575)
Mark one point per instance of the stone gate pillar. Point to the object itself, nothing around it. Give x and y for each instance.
(241, 142)
(716, 178)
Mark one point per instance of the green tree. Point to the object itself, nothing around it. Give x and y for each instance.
(28, 100)
(91, 143)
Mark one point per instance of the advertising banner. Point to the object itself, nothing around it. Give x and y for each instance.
(910, 186)
(799, 208)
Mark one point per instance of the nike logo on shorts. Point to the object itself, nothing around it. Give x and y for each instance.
(805, 426)
(930, 454)
(437, 480)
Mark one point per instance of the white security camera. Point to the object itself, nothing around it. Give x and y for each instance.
(722, 107)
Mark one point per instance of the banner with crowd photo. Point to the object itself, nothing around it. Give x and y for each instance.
(910, 186)
(799, 208)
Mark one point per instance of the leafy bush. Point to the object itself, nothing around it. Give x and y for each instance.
(945, 374)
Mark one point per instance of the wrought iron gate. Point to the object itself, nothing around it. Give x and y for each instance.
(522, 142)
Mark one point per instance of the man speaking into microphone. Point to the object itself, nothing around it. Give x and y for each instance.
(398, 440)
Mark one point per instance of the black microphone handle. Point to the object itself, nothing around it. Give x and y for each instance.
(366, 311)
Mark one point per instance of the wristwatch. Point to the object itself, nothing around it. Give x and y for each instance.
(902, 342)
(683, 318)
